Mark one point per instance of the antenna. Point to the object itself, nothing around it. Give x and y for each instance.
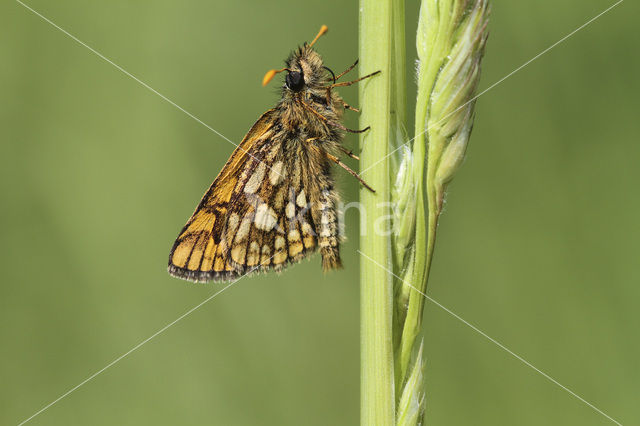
(270, 74)
(323, 30)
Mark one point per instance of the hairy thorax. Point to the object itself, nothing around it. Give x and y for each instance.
(313, 116)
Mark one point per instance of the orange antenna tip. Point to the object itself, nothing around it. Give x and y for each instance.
(270, 74)
(323, 30)
(268, 77)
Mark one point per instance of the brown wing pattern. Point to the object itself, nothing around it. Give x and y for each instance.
(255, 216)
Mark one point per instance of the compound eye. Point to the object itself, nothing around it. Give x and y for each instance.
(295, 81)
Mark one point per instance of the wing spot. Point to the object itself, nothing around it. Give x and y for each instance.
(294, 235)
(277, 173)
(265, 217)
(266, 258)
(255, 180)
(280, 257)
(253, 257)
(232, 226)
(234, 220)
(290, 210)
(308, 235)
(245, 226)
(301, 199)
(295, 248)
(238, 253)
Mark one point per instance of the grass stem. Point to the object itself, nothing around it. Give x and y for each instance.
(377, 400)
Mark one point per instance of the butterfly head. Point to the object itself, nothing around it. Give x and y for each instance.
(304, 67)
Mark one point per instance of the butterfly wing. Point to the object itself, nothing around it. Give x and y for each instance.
(253, 217)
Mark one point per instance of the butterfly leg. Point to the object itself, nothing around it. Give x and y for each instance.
(351, 172)
(344, 104)
(347, 106)
(349, 153)
(339, 125)
(347, 70)
(349, 83)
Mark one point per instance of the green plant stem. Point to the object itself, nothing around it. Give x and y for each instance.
(377, 401)
(398, 84)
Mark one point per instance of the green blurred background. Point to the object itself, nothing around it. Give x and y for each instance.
(538, 247)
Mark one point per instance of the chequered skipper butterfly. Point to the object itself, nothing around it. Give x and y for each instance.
(274, 201)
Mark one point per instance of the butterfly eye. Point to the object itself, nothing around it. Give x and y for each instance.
(295, 81)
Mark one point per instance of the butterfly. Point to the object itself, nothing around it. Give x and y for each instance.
(275, 202)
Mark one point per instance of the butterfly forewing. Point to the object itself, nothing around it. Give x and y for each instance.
(255, 215)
